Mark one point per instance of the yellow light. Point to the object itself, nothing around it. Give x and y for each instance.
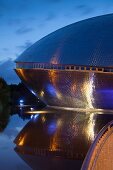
(21, 73)
(42, 93)
(53, 145)
(59, 95)
(88, 89)
(59, 123)
(90, 127)
(54, 60)
(73, 88)
(53, 78)
(43, 119)
(21, 141)
(39, 111)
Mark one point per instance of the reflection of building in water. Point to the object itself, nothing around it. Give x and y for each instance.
(90, 127)
(72, 67)
(57, 139)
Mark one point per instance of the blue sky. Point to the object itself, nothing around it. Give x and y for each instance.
(23, 22)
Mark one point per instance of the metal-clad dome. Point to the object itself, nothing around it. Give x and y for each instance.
(88, 42)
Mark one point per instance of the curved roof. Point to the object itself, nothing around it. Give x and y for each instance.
(88, 42)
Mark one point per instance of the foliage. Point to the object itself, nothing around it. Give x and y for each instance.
(4, 104)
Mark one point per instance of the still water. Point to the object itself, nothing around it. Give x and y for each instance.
(50, 139)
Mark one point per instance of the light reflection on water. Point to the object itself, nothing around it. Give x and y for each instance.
(61, 133)
(90, 128)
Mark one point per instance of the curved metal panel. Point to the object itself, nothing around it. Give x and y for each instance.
(88, 42)
(72, 89)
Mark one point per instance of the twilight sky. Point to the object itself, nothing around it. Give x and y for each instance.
(23, 22)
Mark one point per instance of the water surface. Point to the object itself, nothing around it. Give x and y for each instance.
(49, 138)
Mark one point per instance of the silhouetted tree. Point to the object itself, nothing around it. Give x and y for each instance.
(4, 104)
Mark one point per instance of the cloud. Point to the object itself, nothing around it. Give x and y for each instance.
(5, 49)
(12, 5)
(8, 73)
(20, 20)
(23, 30)
(41, 25)
(81, 6)
(25, 46)
(84, 9)
(50, 16)
(55, 1)
(16, 21)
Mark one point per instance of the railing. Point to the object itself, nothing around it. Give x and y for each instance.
(68, 154)
(34, 65)
(90, 159)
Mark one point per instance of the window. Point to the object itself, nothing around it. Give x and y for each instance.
(67, 67)
(99, 69)
(77, 68)
(106, 70)
(87, 68)
(72, 67)
(93, 68)
(82, 68)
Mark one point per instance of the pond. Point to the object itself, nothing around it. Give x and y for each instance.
(48, 139)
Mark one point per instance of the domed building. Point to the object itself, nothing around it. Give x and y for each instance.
(72, 67)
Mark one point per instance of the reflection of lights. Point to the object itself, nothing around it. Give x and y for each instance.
(21, 73)
(42, 93)
(88, 90)
(51, 90)
(53, 76)
(54, 60)
(21, 141)
(34, 116)
(59, 95)
(31, 116)
(31, 108)
(54, 143)
(52, 128)
(21, 102)
(43, 119)
(90, 127)
(59, 122)
(90, 110)
(53, 146)
(38, 111)
(33, 92)
(73, 88)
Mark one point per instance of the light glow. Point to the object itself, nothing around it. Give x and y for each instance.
(42, 93)
(90, 127)
(88, 89)
(21, 141)
(33, 92)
